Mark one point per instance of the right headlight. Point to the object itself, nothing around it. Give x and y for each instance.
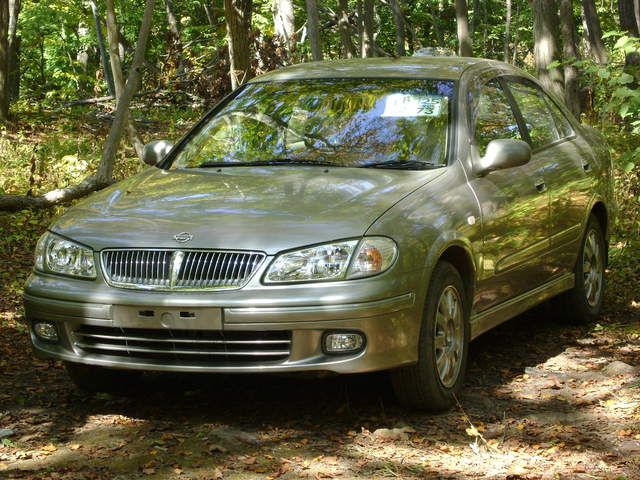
(55, 254)
(334, 261)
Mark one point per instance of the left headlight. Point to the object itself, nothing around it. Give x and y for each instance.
(55, 254)
(334, 261)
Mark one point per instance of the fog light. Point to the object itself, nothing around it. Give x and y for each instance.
(343, 342)
(46, 331)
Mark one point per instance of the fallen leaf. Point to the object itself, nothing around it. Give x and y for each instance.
(74, 446)
(148, 471)
(50, 448)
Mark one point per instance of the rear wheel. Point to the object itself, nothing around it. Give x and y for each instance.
(95, 379)
(583, 303)
(432, 383)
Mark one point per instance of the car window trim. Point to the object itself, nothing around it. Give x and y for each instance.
(450, 149)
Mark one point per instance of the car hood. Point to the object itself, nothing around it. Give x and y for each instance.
(247, 208)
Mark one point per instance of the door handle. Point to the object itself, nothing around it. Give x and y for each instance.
(541, 187)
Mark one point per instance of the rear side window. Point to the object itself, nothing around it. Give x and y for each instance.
(494, 117)
(536, 114)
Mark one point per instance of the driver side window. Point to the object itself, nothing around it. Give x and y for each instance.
(493, 117)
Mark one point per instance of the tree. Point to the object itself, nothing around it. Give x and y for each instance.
(398, 21)
(569, 56)
(284, 23)
(593, 31)
(118, 78)
(103, 52)
(313, 23)
(344, 27)
(13, 77)
(507, 31)
(630, 22)
(546, 41)
(4, 60)
(104, 175)
(368, 39)
(238, 17)
(462, 22)
(175, 49)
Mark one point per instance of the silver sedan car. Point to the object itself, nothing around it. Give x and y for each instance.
(345, 216)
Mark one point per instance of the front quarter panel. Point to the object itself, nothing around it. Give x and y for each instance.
(441, 214)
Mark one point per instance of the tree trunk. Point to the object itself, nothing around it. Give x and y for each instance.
(348, 49)
(593, 31)
(175, 49)
(118, 78)
(629, 24)
(14, 51)
(238, 17)
(313, 22)
(368, 29)
(546, 41)
(284, 23)
(105, 169)
(514, 58)
(507, 31)
(103, 53)
(474, 19)
(4, 61)
(462, 22)
(569, 56)
(398, 21)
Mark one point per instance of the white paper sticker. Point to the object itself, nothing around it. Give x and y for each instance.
(407, 105)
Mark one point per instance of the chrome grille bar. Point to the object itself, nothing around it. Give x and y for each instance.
(209, 346)
(166, 269)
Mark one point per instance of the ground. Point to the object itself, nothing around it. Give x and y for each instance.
(542, 400)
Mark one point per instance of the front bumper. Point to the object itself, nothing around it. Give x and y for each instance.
(390, 327)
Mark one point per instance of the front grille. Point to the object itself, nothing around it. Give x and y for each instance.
(179, 269)
(203, 347)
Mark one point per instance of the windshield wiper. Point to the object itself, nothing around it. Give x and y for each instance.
(273, 161)
(403, 165)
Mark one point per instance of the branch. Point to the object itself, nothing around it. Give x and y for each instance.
(14, 203)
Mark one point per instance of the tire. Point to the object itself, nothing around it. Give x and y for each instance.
(429, 385)
(92, 379)
(583, 303)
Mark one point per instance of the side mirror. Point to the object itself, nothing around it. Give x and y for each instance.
(503, 153)
(155, 151)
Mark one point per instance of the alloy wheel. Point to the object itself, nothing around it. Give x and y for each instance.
(592, 268)
(449, 336)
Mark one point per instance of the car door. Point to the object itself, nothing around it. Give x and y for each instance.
(568, 166)
(514, 204)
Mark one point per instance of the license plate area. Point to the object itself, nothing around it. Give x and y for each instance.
(176, 318)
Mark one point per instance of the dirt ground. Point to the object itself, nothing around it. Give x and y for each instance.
(542, 401)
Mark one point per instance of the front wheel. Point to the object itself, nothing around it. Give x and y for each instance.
(432, 383)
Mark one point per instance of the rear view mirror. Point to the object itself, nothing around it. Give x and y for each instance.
(503, 153)
(154, 152)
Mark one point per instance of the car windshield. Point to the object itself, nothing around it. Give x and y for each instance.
(381, 123)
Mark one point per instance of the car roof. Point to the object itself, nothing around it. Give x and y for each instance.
(446, 68)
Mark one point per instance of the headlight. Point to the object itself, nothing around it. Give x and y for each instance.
(55, 254)
(333, 261)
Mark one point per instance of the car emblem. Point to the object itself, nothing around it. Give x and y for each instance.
(183, 237)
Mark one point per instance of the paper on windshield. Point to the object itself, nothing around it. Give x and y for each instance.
(412, 105)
